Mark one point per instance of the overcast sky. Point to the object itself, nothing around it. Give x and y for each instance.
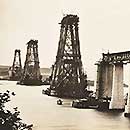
(104, 25)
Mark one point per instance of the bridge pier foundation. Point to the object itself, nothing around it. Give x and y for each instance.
(104, 80)
(127, 111)
(108, 79)
(117, 100)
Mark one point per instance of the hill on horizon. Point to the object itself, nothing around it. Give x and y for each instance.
(4, 71)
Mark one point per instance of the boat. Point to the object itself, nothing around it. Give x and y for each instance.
(127, 115)
(85, 103)
(47, 91)
(59, 102)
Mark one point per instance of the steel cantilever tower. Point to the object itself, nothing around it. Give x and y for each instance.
(16, 70)
(31, 73)
(68, 78)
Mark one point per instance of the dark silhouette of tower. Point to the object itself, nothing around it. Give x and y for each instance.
(31, 73)
(68, 78)
(15, 70)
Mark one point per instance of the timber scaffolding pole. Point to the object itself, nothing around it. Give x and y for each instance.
(68, 78)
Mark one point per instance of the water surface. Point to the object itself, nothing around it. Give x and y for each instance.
(42, 111)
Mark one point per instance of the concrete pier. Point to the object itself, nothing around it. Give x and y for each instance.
(117, 100)
(108, 80)
(127, 110)
(104, 80)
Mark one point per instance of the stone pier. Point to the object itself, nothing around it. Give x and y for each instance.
(127, 111)
(117, 100)
(104, 80)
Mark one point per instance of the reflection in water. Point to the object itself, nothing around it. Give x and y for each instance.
(45, 114)
(111, 114)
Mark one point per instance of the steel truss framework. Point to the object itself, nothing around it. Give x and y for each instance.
(117, 57)
(31, 73)
(68, 78)
(16, 69)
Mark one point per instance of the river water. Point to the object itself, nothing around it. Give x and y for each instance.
(43, 112)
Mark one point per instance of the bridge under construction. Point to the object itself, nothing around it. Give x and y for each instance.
(15, 71)
(68, 78)
(110, 80)
(31, 72)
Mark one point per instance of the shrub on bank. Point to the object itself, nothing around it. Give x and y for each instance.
(10, 120)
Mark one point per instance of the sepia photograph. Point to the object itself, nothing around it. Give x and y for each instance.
(64, 65)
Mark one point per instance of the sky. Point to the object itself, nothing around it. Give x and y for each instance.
(104, 26)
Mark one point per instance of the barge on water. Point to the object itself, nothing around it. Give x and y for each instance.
(85, 103)
(92, 102)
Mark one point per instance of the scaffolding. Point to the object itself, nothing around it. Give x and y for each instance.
(15, 70)
(68, 78)
(31, 73)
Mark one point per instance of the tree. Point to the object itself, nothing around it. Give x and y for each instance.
(10, 120)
